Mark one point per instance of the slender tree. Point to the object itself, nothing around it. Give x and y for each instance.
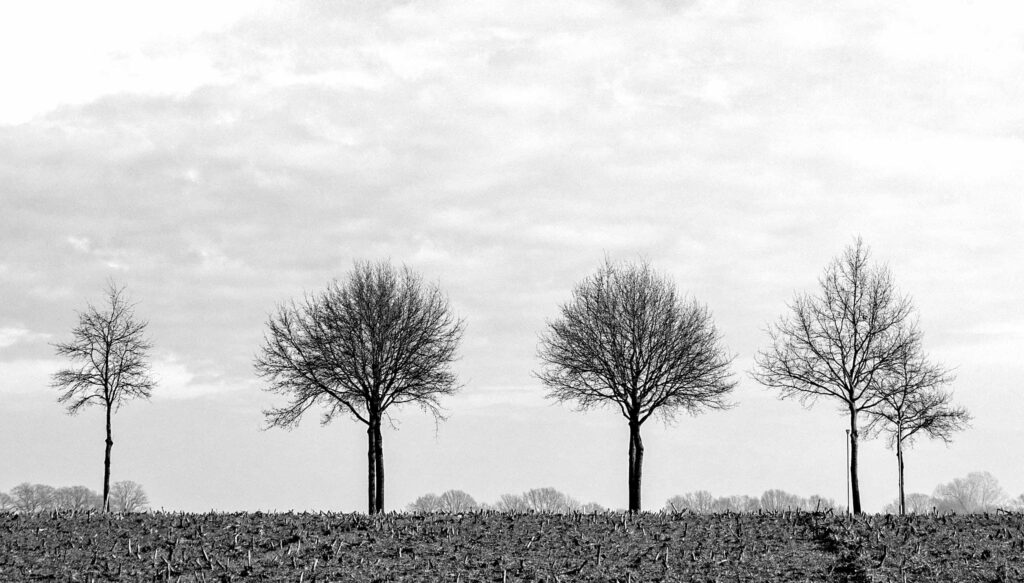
(628, 340)
(380, 339)
(841, 343)
(110, 353)
(914, 403)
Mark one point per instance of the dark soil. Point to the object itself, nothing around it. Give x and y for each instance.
(789, 546)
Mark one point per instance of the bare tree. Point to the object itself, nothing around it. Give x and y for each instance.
(913, 503)
(776, 500)
(840, 343)
(628, 340)
(978, 492)
(742, 503)
(380, 339)
(77, 498)
(699, 502)
(128, 496)
(30, 498)
(6, 502)
(914, 403)
(549, 500)
(425, 504)
(817, 503)
(111, 363)
(511, 503)
(455, 501)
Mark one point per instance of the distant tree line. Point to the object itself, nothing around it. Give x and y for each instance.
(547, 500)
(26, 498)
(975, 493)
(703, 502)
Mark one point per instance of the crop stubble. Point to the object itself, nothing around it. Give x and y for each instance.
(489, 546)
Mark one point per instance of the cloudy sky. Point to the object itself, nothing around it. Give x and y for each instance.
(221, 158)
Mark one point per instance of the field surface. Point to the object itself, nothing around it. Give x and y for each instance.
(788, 546)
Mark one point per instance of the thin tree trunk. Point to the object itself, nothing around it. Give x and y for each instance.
(106, 465)
(379, 461)
(854, 482)
(636, 462)
(899, 459)
(371, 470)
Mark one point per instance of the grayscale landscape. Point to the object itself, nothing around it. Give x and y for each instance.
(624, 290)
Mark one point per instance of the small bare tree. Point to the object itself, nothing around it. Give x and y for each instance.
(841, 343)
(914, 403)
(455, 501)
(31, 498)
(425, 504)
(699, 502)
(380, 339)
(549, 500)
(111, 356)
(776, 500)
(6, 502)
(511, 503)
(128, 496)
(77, 498)
(628, 340)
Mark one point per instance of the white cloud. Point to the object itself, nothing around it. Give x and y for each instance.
(26, 376)
(176, 381)
(9, 336)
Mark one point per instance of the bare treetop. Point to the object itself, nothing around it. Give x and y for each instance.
(839, 343)
(915, 402)
(111, 356)
(629, 339)
(381, 338)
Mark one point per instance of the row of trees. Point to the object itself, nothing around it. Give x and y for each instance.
(535, 500)
(626, 339)
(975, 493)
(703, 502)
(123, 496)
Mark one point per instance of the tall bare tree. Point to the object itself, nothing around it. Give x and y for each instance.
(381, 338)
(110, 353)
(840, 343)
(914, 403)
(628, 340)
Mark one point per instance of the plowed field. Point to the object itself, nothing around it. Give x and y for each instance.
(790, 546)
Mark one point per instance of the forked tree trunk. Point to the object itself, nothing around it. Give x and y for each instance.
(379, 462)
(636, 462)
(106, 465)
(371, 470)
(854, 482)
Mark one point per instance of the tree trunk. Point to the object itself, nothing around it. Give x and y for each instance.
(106, 465)
(371, 470)
(854, 482)
(636, 462)
(899, 460)
(379, 462)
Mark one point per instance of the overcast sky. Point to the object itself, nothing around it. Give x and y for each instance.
(221, 158)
